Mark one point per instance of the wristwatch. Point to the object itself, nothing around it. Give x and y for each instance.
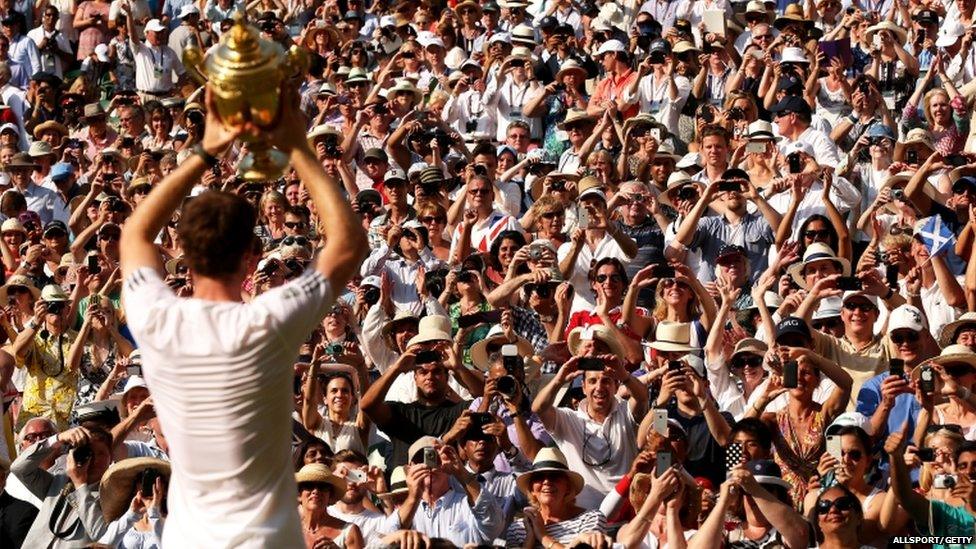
(209, 159)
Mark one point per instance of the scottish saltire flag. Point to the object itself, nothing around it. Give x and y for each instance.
(938, 237)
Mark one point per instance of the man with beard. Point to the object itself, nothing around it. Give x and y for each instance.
(431, 358)
(352, 506)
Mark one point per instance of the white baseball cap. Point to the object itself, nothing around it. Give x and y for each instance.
(800, 147)
(611, 46)
(906, 316)
(155, 26)
(101, 53)
(188, 10)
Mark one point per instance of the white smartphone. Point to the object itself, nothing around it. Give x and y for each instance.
(876, 41)
(754, 147)
(356, 476)
(660, 422)
(656, 134)
(833, 446)
(584, 219)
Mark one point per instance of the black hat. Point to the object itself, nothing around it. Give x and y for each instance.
(56, 226)
(765, 471)
(790, 84)
(730, 250)
(791, 103)
(732, 174)
(660, 45)
(490, 6)
(927, 17)
(792, 325)
(548, 22)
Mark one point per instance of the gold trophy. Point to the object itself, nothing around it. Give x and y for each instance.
(245, 72)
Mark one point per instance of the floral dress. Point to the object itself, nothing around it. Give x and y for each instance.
(797, 453)
(93, 376)
(50, 387)
(555, 114)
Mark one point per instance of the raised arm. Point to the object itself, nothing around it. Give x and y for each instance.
(137, 245)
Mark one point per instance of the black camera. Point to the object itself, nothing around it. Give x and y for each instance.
(507, 386)
(371, 295)
(434, 282)
(656, 58)
(81, 454)
(559, 87)
(706, 114)
(898, 194)
(464, 276)
(115, 205)
(687, 193)
(55, 307)
(735, 113)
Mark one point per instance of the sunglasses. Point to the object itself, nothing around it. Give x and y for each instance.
(410, 235)
(817, 235)
(295, 224)
(935, 428)
(842, 504)
(601, 278)
(828, 324)
(747, 362)
(552, 215)
(295, 240)
(479, 192)
(903, 337)
(432, 219)
(863, 307)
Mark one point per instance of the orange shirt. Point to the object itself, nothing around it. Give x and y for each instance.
(612, 87)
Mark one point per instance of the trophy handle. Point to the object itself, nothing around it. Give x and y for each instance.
(193, 61)
(296, 62)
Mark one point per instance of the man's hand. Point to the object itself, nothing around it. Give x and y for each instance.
(896, 441)
(145, 410)
(216, 137)
(77, 472)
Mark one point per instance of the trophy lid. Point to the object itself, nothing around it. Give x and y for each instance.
(242, 50)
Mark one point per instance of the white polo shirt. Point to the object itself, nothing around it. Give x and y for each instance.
(601, 452)
(155, 67)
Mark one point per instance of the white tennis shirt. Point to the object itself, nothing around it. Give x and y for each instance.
(221, 378)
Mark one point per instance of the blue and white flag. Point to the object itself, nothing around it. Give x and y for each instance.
(938, 237)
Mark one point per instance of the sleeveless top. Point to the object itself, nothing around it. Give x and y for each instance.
(798, 453)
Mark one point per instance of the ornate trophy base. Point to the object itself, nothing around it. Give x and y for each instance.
(263, 165)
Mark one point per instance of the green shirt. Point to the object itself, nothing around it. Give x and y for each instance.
(949, 521)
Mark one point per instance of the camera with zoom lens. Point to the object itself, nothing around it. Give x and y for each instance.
(507, 386)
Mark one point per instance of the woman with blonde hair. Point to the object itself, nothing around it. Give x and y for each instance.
(553, 518)
(271, 218)
(549, 216)
(946, 114)
(679, 298)
(433, 216)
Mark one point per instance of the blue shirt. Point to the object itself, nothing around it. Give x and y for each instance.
(906, 407)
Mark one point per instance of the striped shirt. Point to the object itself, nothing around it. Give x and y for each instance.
(563, 532)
